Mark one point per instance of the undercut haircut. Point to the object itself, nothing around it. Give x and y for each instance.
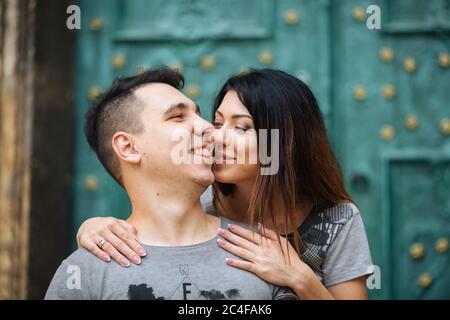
(118, 109)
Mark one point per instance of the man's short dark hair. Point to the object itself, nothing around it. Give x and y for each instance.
(118, 109)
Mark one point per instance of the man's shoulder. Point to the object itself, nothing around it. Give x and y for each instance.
(74, 278)
(84, 259)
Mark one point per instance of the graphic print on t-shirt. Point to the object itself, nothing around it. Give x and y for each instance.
(186, 289)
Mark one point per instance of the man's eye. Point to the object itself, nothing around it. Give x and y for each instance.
(217, 124)
(177, 116)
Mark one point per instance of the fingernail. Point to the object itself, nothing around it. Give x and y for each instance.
(221, 231)
(107, 258)
(137, 260)
(231, 226)
(219, 241)
(125, 263)
(228, 260)
(142, 252)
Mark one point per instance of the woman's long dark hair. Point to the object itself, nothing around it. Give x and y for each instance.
(308, 169)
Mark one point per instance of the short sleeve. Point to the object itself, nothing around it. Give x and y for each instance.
(79, 277)
(68, 283)
(348, 257)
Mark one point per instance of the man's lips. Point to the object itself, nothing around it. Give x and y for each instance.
(223, 157)
(201, 151)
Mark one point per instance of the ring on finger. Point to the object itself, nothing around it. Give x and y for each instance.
(101, 243)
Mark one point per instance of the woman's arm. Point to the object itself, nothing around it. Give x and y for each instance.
(264, 256)
(119, 243)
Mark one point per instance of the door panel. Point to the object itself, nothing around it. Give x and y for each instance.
(419, 224)
(390, 103)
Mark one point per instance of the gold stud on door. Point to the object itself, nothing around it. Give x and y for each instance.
(417, 251)
(96, 24)
(94, 92)
(91, 183)
(118, 61)
(291, 17)
(442, 245)
(208, 63)
(388, 91)
(425, 280)
(386, 54)
(360, 93)
(358, 14)
(409, 64)
(265, 57)
(387, 133)
(411, 122)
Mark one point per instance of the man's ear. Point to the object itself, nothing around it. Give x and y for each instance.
(125, 148)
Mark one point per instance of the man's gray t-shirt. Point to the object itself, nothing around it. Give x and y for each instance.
(191, 272)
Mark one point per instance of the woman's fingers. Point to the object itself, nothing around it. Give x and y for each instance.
(127, 233)
(268, 233)
(91, 245)
(237, 240)
(129, 227)
(237, 251)
(245, 233)
(244, 265)
(118, 250)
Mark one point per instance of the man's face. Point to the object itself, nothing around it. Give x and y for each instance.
(173, 129)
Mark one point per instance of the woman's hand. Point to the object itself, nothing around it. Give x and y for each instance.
(264, 257)
(263, 254)
(111, 238)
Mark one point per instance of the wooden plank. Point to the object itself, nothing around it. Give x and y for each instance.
(16, 76)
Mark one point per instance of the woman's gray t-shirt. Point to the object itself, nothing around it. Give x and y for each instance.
(334, 241)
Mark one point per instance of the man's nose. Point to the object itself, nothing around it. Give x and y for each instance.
(203, 128)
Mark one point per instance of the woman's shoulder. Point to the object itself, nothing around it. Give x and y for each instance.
(320, 230)
(322, 217)
(339, 213)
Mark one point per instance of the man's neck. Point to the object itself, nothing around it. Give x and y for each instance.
(166, 217)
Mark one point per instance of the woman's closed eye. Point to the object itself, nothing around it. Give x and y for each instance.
(241, 129)
(217, 124)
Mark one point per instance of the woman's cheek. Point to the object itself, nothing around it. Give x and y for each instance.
(252, 150)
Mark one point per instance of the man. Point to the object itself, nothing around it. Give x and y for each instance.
(131, 128)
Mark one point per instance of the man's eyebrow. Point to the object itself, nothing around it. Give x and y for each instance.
(177, 107)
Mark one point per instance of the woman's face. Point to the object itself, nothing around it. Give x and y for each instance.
(235, 140)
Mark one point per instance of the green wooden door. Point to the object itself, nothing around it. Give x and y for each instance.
(387, 124)
(209, 40)
(390, 110)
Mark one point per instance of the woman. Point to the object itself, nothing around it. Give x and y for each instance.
(327, 255)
